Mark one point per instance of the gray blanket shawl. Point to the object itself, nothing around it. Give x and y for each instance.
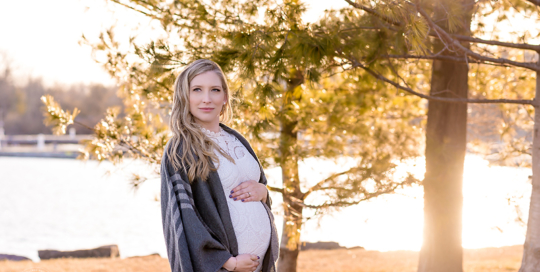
(197, 226)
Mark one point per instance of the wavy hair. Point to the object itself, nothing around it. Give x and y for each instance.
(196, 148)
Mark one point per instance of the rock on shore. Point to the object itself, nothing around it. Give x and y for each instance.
(324, 246)
(10, 257)
(108, 251)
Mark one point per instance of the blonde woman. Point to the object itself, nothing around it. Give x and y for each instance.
(214, 202)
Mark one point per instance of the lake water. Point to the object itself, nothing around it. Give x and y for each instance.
(69, 204)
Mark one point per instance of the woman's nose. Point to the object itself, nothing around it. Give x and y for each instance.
(206, 97)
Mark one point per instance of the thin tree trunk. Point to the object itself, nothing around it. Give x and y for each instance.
(292, 221)
(445, 155)
(531, 249)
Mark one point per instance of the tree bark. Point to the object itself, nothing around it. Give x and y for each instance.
(531, 249)
(292, 221)
(445, 155)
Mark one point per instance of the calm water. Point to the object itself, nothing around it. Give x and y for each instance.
(69, 204)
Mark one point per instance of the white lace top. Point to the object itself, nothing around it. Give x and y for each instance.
(250, 219)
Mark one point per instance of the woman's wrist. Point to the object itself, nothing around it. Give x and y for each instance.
(230, 264)
(265, 194)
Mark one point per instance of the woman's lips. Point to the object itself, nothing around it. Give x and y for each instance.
(206, 109)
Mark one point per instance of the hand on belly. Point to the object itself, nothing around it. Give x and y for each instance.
(249, 191)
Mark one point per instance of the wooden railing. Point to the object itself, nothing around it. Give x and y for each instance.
(42, 145)
(42, 139)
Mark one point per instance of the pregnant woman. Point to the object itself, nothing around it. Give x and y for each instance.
(214, 202)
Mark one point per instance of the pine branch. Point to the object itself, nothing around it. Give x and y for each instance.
(157, 10)
(373, 12)
(134, 149)
(121, 142)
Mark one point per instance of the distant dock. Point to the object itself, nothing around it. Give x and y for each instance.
(42, 146)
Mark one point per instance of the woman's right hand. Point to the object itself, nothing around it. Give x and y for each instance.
(246, 262)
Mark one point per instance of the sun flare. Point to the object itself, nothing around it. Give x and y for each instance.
(495, 199)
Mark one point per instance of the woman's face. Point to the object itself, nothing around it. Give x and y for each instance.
(206, 98)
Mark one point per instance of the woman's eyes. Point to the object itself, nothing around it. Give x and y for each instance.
(198, 89)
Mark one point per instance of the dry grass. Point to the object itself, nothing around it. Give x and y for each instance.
(136, 264)
(505, 259)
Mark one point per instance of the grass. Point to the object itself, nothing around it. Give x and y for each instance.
(504, 259)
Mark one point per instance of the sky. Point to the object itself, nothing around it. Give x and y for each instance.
(41, 38)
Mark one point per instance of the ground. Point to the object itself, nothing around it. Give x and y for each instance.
(504, 259)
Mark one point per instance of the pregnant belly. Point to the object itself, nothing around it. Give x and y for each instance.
(251, 226)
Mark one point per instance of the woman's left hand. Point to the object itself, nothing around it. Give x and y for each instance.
(249, 191)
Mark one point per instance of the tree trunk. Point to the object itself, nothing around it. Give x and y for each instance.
(292, 221)
(531, 249)
(445, 155)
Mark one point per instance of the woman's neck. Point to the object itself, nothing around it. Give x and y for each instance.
(214, 126)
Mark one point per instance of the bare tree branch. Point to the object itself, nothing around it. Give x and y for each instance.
(135, 9)
(442, 99)
(342, 203)
(528, 65)
(274, 189)
(498, 43)
(334, 204)
(319, 185)
(455, 36)
(534, 2)
(84, 125)
(443, 57)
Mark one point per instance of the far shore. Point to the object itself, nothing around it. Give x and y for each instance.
(507, 259)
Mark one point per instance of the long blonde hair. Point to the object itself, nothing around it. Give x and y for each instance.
(197, 148)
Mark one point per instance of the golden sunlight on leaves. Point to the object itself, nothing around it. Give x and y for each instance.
(55, 116)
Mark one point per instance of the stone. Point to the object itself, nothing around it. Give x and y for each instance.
(108, 251)
(355, 247)
(320, 245)
(145, 256)
(10, 257)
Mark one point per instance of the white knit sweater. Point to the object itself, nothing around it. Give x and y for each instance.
(250, 219)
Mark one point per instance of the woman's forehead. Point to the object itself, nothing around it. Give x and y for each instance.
(210, 79)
